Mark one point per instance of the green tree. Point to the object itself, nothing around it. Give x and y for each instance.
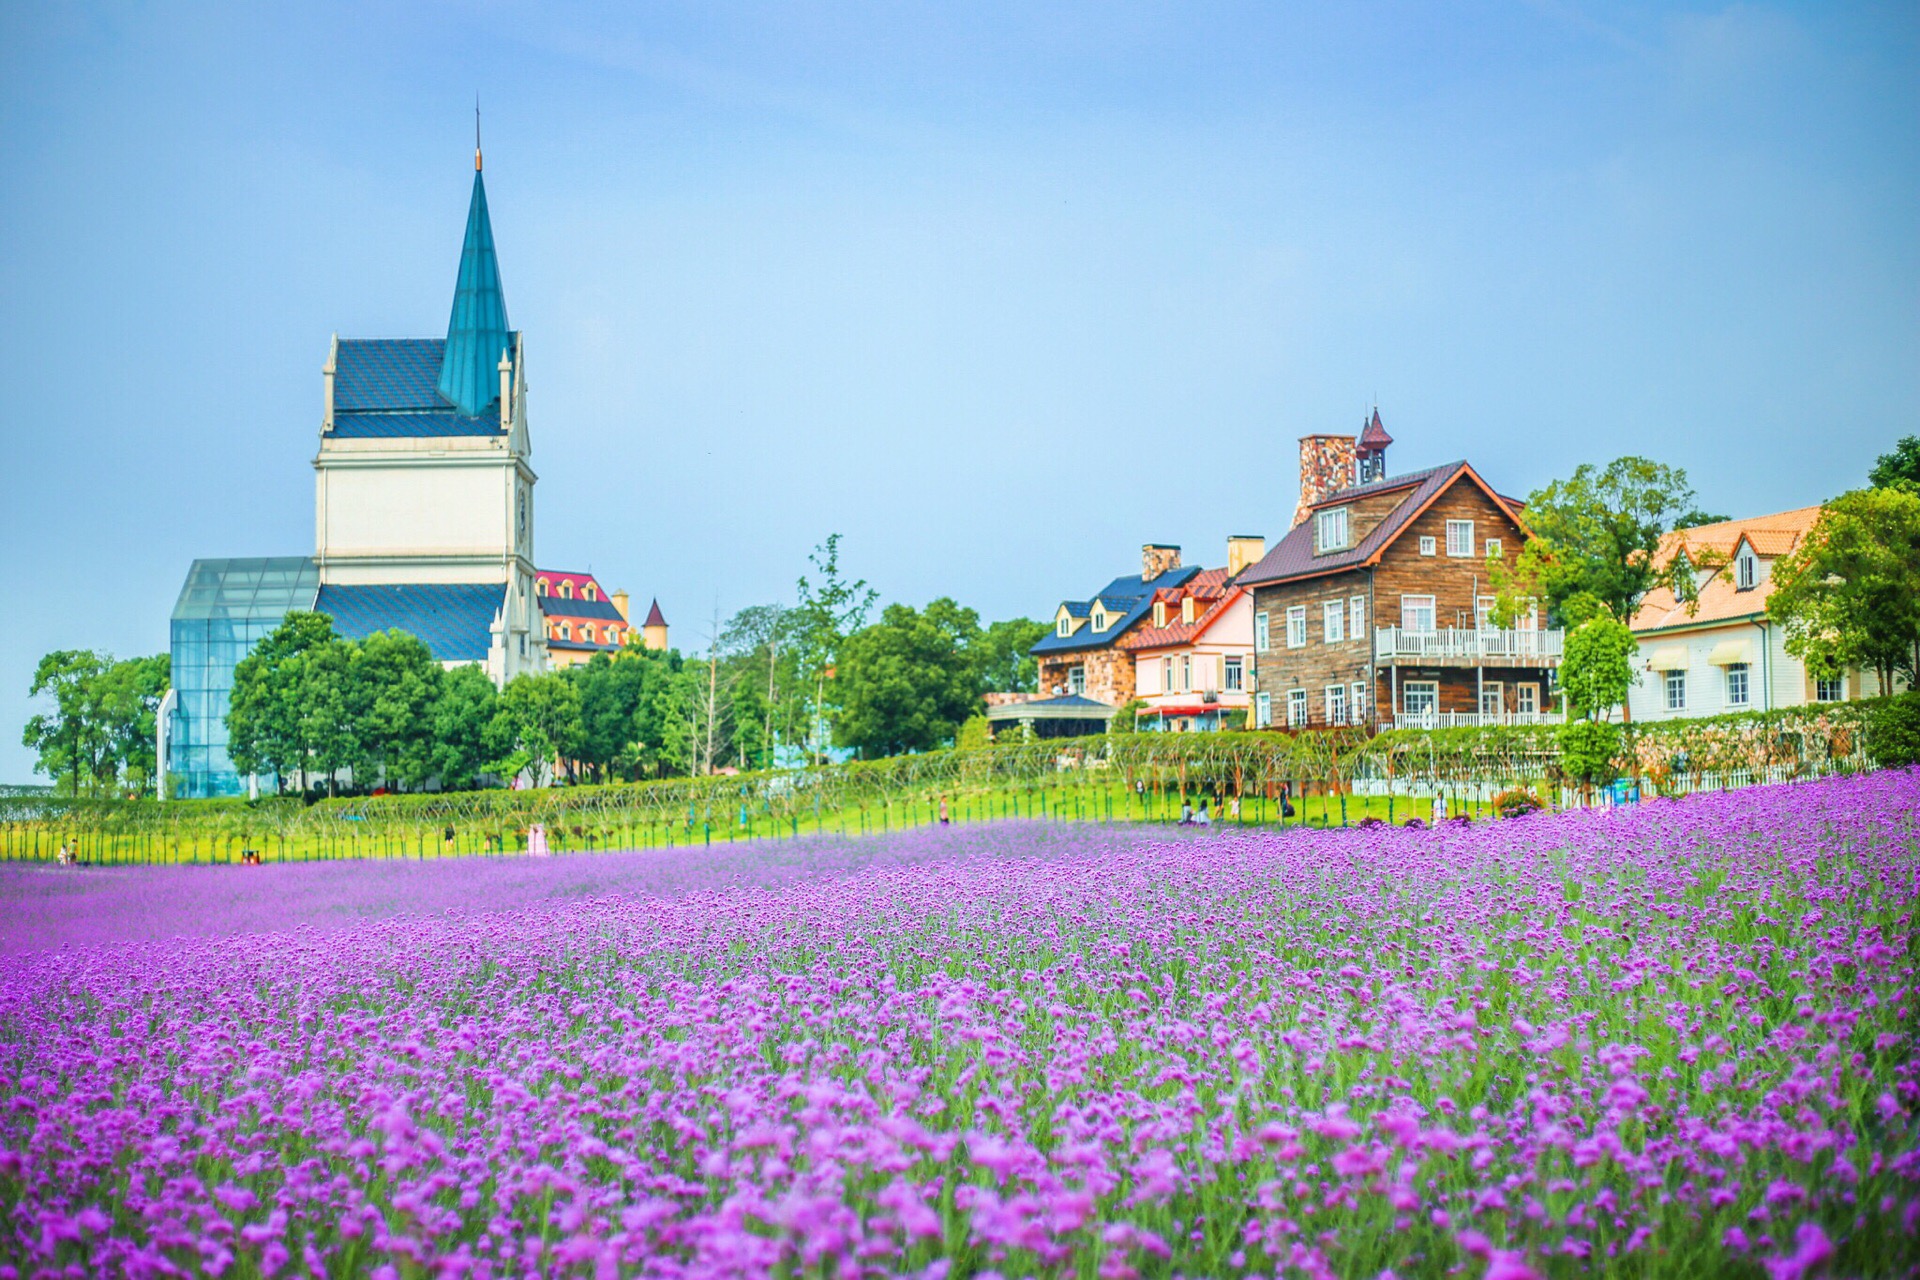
(394, 684)
(824, 617)
(908, 681)
(1001, 654)
(1596, 670)
(1592, 541)
(1899, 468)
(72, 740)
(129, 701)
(536, 724)
(1849, 594)
(760, 648)
(458, 749)
(288, 712)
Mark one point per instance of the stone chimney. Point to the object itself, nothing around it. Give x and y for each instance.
(1156, 558)
(1326, 467)
(620, 603)
(1244, 549)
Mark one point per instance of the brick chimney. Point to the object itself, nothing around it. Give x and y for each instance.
(1326, 467)
(1244, 549)
(1156, 558)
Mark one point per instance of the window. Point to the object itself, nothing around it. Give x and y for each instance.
(1076, 679)
(1747, 570)
(1420, 699)
(1063, 627)
(1186, 673)
(1427, 546)
(1830, 689)
(1296, 626)
(1159, 613)
(1357, 704)
(566, 588)
(1233, 674)
(1492, 700)
(1166, 674)
(1416, 614)
(1330, 531)
(1186, 609)
(1098, 617)
(1357, 617)
(1483, 611)
(1333, 618)
(1493, 548)
(540, 587)
(1336, 698)
(1459, 537)
(1736, 684)
(590, 592)
(1296, 708)
(1260, 633)
(1262, 710)
(1676, 690)
(1526, 699)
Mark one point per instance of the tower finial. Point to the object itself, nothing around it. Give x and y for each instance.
(476, 133)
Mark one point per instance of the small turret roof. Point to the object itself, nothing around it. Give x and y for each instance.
(655, 618)
(1375, 437)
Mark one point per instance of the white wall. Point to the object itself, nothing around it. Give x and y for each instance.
(1775, 678)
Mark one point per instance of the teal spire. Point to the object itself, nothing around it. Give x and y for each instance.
(477, 333)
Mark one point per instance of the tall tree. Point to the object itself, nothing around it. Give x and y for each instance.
(759, 644)
(394, 683)
(1593, 541)
(458, 749)
(1003, 659)
(537, 723)
(907, 682)
(827, 614)
(72, 739)
(129, 702)
(1849, 594)
(1899, 468)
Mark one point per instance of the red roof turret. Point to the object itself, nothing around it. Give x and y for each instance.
(1375, 437)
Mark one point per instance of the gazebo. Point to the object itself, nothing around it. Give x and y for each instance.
(1067, 716)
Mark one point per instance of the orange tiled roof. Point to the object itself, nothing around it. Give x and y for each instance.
(1720, 600)
(1208, 588)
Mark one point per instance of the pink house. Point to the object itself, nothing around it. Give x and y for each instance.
(1193, 657)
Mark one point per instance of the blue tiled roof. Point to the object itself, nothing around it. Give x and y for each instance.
(455, 619)
(1128, 591)
(561, 607)
(384, 388)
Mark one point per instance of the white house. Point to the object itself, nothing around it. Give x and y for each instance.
(1721, 654)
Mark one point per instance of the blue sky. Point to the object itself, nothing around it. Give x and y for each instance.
(998, 292)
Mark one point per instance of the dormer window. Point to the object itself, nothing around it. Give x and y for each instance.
(1159, 613)
(1746, 569)
(566, 589)
(1330, 531)
(540, 586)
(1063, 627)
(1186, 609)
(588, 592)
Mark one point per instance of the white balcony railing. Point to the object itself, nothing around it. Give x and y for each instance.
(1468, 719)
(1512, 646)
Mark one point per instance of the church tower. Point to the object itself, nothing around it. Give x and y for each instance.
(423, 508)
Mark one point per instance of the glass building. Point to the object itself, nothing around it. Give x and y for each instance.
(224, 609)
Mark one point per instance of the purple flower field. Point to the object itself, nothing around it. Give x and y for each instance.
(1675, 1040)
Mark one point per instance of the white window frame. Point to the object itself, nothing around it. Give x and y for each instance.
(1331, 531)
(1186, 673)
(1296, 708)
(1233, 673)
(1460, 538)
(1333, 621)
(1495, 691)
(1429, 546)
(1296, 626)
(1077, 679)
(1063, 628)
(1357, 617)
(1432, 615)
(1166, 674)
(1426, 691)
(1739, 677)
(1492, 547)
(1262, 710)
(1357, 704)
(1673, 691)
(1746, 570)
(1262, 631)
(1335, 696)
(1821, 686)
(1526, 698)
(1483, 607)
